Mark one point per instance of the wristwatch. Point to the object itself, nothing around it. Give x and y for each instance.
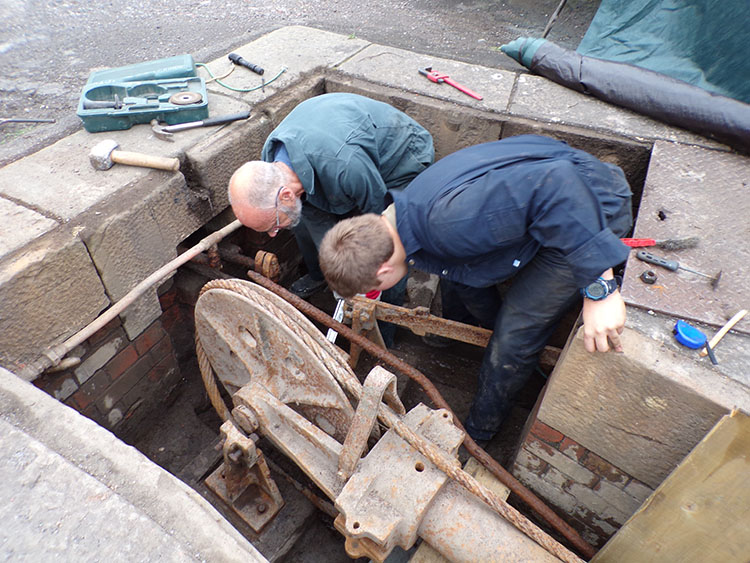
(600, 289)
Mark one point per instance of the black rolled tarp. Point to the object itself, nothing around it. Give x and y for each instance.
(644, 91)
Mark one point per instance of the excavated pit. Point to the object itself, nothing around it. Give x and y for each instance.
(182, 436)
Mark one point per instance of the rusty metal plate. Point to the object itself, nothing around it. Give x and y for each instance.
(254, 505)
(251, 336)
(692, 191)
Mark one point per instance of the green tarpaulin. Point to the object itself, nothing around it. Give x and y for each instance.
(705, 43)
(685, 63)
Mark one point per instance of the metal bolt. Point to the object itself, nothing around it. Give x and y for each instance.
(262, 507)
(235, 455)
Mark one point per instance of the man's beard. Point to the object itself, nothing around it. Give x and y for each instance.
(293, 212)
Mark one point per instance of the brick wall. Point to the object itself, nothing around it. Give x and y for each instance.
(121, 383)
(596, 496)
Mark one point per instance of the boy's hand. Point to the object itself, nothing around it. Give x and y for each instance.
(602, 321)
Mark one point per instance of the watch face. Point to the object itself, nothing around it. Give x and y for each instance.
(595, 290)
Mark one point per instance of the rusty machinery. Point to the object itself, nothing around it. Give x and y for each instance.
(393, 476)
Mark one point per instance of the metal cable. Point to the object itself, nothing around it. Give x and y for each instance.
(335, 363)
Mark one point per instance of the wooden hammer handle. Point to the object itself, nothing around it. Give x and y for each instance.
(719, 335)
(148, 161)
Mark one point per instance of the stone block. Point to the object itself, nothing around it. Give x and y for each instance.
(60, 181)
(391, 66)
(300, 50)
(212, 161)
(135, 234)
(642, 410)
(20, 226)
(46, 296)
(537, 98)
(452, 126)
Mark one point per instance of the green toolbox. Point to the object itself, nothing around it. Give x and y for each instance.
(168, 90)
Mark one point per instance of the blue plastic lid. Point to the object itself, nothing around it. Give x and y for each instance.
(687, 335)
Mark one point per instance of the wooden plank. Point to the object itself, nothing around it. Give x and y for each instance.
(425, 552)
(701, 512)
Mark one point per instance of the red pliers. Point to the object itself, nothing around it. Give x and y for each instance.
(438, 78)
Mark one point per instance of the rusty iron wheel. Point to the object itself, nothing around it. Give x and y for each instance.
(249, 333)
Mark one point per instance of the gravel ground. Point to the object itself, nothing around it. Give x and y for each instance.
(48, 49)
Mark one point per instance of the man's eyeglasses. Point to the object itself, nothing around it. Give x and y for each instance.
(276, 228)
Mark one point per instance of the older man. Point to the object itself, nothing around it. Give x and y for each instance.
(334, 156)
(528, 208)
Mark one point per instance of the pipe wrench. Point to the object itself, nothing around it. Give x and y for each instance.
(439, 78)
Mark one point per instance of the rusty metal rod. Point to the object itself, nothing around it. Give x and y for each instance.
(471, 446)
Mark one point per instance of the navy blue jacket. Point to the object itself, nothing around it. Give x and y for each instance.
(481, 214)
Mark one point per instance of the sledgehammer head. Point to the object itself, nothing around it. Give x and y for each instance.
(101, 155)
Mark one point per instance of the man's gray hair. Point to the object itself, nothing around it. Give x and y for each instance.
(259, 183)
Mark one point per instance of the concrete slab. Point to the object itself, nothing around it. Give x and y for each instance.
(72, 491)
(46, 295)
(20, 226)
(692, 191)
(298, 49)
(397, 67)
(541, 99)
(212, 161)
(60, 181)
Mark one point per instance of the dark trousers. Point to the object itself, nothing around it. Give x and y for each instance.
(522, 321)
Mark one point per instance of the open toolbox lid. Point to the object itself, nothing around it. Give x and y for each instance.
(165, 89)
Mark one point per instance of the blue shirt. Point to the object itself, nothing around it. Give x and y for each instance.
(481, 214)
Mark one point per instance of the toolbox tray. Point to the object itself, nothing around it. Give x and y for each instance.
(142, 92)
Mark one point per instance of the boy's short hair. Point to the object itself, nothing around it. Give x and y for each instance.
(353, 251)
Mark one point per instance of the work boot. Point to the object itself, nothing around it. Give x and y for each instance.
(307, 286)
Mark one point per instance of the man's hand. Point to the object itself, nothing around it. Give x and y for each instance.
(603, 320)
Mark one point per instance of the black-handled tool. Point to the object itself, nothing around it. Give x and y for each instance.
(236, 59)
(673, 265)
(165, 131)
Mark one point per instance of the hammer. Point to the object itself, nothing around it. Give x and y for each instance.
(105, 154)
(165, 132)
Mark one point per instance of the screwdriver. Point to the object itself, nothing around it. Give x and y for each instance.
(673, 265)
